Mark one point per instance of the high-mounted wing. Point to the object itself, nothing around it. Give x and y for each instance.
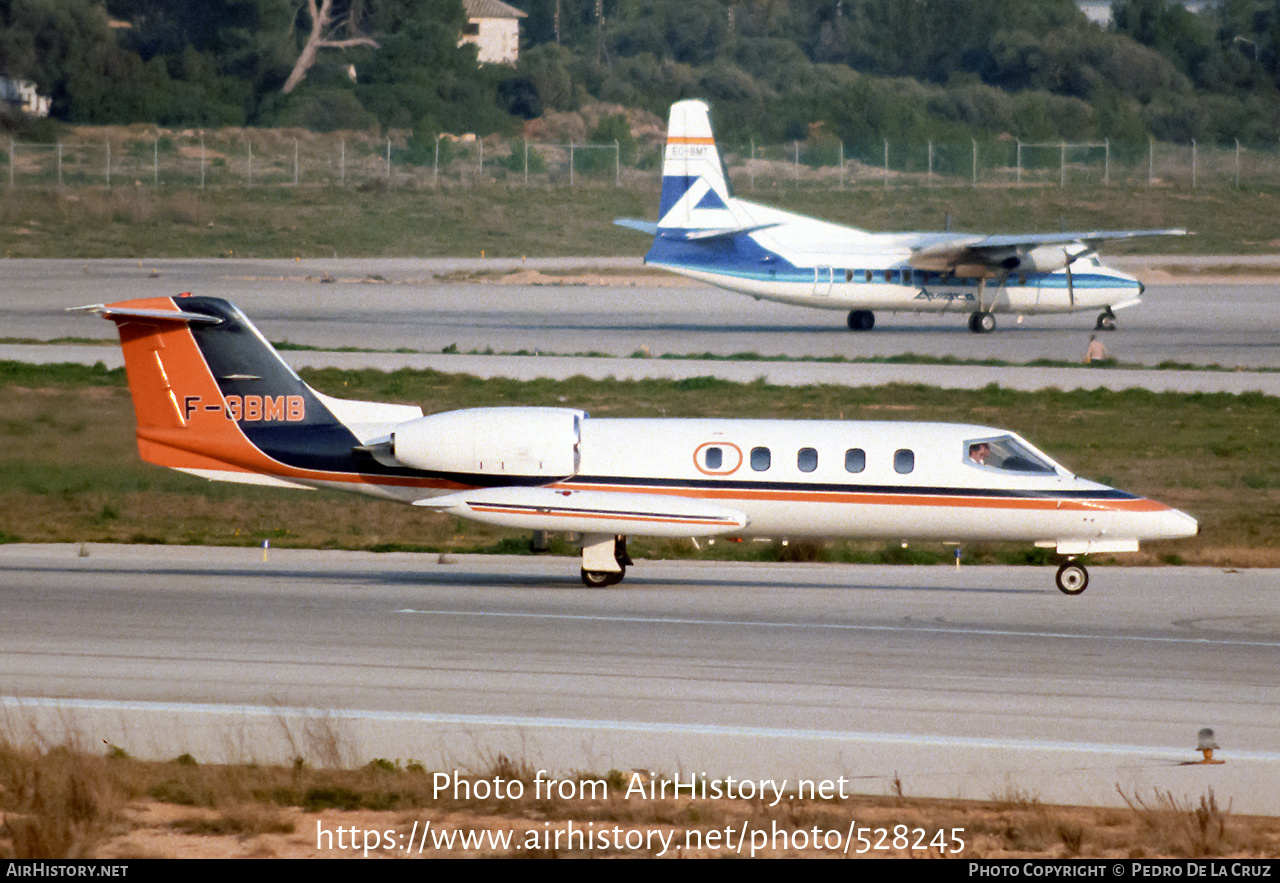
(1037, 252)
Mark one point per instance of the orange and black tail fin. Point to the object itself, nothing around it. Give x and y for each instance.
(212, 396)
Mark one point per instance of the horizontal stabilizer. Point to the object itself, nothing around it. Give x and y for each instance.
(650, 227)
(721, 233)
(111, 311)
(544, 508)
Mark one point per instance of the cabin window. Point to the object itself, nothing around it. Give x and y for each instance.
(904, 461)
(807, 460)
(714, 458)
(848, 275)
(855, 460)
(1007, 453)
(760, 459)
(868, 275)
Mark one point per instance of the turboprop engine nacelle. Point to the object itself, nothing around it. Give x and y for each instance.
(530, 442)
(1041, 259)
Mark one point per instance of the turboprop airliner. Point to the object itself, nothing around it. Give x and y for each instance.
(212, 398)
(706, 233)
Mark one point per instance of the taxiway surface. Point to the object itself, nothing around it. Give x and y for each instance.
(417, 306)
(977, 682)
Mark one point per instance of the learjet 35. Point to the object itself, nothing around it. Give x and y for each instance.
(212, 398)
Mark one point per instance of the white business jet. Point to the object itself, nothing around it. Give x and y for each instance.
(705, 233)
(214, 399)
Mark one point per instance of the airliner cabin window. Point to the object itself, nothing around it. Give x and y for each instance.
(714, 458)
(807, 460)
(760, 459)
(855, 460)
(904, 461)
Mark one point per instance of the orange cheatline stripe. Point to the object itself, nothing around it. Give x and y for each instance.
(687, 139)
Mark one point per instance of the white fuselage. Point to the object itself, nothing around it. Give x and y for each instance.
(779, 479)
(806, 262)
(913, 480)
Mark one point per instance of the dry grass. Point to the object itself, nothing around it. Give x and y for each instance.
(74, 800)
(74, 475)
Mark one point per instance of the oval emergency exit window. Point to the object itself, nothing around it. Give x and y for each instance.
(717, 458)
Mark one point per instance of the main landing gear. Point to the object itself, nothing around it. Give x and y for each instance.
(861, 320)
(604, 560)
(1106, 320)
(982, 322)
(1072, 578)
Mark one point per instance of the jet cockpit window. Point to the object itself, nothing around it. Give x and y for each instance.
(1007, 453)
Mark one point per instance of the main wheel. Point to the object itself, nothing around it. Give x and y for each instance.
(1072, 578)
(1106, 321)
(982, 323)
(599, 579)
(862, 320)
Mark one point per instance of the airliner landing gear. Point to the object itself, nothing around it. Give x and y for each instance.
(1106, 320)
(604, 560)
(862, 320)
(1072, 578)
(982, 322)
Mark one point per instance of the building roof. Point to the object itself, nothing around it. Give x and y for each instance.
(491, 9)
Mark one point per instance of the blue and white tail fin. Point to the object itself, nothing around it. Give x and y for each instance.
(695, 191)
(700, 222)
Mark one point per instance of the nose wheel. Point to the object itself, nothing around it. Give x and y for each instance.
(1072, 578)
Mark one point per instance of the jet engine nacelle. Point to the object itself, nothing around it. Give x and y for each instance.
(530, 442)
(1041, 259)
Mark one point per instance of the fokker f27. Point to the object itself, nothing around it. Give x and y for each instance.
(706, 233)
(214, 399)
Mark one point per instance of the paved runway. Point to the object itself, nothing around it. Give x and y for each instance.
(979, 682)
(387, 304)
(983, 682)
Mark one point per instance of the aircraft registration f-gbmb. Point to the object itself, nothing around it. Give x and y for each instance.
(214, 399)
(706, 233)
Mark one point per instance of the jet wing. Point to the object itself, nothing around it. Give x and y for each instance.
(1008, 252)
(545, 508)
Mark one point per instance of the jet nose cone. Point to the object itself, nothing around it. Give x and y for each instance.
(1177, 525)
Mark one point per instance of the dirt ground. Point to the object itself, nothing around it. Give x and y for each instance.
(872, 827)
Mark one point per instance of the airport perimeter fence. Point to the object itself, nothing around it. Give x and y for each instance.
(270, 159)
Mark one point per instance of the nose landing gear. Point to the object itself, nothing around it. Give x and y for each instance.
(1072, 578)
